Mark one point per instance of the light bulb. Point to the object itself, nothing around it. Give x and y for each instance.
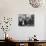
(7, 35)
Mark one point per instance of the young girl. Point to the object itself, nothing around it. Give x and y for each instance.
(35, 38)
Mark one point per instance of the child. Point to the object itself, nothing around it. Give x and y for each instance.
(35, 38)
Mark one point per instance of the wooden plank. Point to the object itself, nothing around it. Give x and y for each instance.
(25, 44)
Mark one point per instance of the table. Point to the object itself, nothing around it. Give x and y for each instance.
(27, 42)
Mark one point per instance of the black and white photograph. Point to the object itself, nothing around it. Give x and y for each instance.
(26, 20)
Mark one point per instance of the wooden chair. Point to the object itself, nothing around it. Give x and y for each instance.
(40, 44)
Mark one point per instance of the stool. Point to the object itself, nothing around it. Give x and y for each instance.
(40, 44)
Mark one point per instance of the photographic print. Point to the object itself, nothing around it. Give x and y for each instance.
(24, 20)
(35, 3)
